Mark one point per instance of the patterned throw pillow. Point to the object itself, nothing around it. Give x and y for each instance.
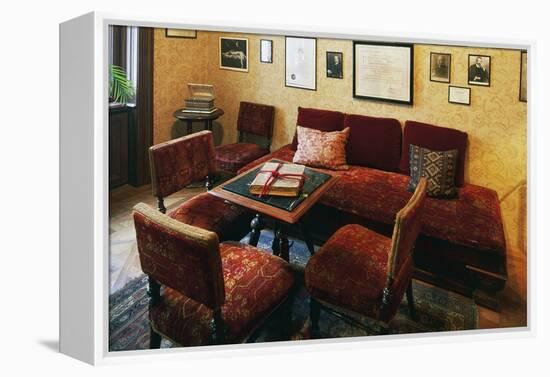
(438, 167)
(322, 149)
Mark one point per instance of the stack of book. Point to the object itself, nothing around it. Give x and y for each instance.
(287, 181)
(200, 100)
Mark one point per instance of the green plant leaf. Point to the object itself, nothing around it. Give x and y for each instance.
(121, 89)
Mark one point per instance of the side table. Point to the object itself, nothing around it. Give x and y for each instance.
(189, 118)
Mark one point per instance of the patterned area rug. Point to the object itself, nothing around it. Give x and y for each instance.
(437, 310)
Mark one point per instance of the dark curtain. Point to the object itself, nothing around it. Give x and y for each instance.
(119, 46)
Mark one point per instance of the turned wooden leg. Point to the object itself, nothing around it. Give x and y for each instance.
(217, 328)
(209, 182)
(153, 291)
(410, 301)
(256, 224)
(189, 127)
(275, 245)
(154, 341)
(307, 237)
(160, 204)
(314, 313)
(283, 243)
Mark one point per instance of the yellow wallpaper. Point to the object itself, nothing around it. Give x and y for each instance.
(496, 122)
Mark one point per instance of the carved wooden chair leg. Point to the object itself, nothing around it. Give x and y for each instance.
(154, 340)
(257, 225)
(314, 313)
(160, 204)
(410, 301)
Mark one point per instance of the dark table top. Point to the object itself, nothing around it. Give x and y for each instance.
(198, 116)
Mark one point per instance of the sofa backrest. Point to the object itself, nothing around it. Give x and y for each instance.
(373, 142)
(435, 138)
(322, 120)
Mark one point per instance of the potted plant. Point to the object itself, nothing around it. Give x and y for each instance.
(121, 89)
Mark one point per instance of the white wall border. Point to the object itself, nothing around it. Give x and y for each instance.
(83, 179)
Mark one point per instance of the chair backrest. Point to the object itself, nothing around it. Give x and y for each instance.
(256, 119)
(177, 163)
(406, 229)
(180, 256)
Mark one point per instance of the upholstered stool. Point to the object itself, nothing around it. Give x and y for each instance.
(358, 271)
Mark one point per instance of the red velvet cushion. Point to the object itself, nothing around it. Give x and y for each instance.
(434, 138)
(373, 142)
(350, 270)
(228, 221)
(232, 157)
(255, 282)
(322, 120)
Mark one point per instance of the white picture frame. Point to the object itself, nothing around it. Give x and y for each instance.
(266, 51)
(301, 63)
(459, 95)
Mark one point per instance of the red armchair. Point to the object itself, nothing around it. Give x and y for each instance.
(213, 293)
(254, 119)
(177, 163)
(360, 272)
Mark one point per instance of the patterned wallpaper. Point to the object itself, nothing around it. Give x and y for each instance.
(496, 122)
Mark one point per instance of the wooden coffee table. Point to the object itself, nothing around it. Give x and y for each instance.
(285, 211)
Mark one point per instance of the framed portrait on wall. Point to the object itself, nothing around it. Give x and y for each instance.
(479, 70)
(301, 63)
(335, 63)
(234, 54)
(266, 51)
(383, 71)
(440, 67)
(523, 77)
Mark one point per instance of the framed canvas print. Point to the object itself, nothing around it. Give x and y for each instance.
(335, 63)
(440, 67)
(383, 71)
(152, 262)
(180, 33)
(479, 70)
(234, 54)
(523, 77)
(266, 51)
(459, 95)
(301, 63)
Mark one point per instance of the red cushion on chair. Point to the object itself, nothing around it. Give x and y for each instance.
(228, 221)
(373, 142)
(255, 283)
(232, 157)
(435, 138)
(350, 269)
(322, 120)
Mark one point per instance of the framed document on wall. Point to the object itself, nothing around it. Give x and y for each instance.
(301, 63)
(383, 71)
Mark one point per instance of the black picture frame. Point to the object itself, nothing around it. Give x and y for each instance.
(440, 73)
(314, 88)
(458, 102)
(410, 66)
(339, 73)
(234, 47)
(477, 78)
(523, 80)
(180, 33)
(269, 59)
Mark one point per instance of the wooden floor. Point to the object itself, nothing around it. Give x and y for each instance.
(124, 261)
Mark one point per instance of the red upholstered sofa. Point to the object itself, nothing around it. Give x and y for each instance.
(462, 245)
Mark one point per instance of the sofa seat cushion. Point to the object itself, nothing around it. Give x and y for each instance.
(285, 153)
(228, 221)
(350, 269)
(255, 283)
(472, 220)
(232, 157)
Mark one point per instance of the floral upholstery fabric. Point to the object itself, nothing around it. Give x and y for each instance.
(473, 220)
(177, 163)
(227, 220)
(350, 269)
(322, 149)
(255, 283)
(232, 157)
(180, 256)
(256, 119)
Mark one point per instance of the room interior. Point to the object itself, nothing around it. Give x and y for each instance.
(495, 158)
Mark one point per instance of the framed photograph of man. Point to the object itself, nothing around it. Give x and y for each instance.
(234, 54)
(479, 70)
(335, 69)
(523, 77)
(440, 67)
(301, 63)
(266, 51)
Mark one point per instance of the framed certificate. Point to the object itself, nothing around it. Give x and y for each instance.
(383, 71)
(459, 95)
(301, 63)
